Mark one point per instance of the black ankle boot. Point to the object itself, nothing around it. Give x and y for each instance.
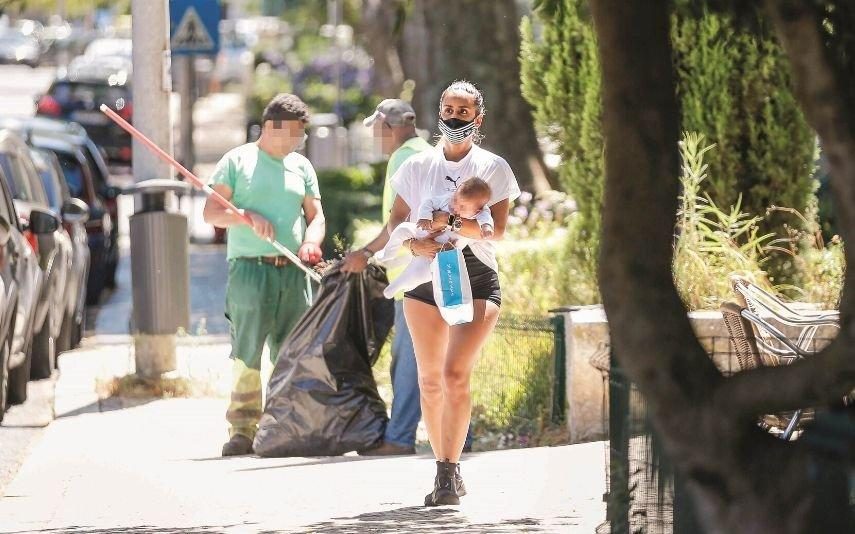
(458, 482)
(444, 486)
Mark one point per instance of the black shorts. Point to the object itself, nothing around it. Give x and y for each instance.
(483, 279)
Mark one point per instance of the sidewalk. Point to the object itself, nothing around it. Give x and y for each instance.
(114, 465)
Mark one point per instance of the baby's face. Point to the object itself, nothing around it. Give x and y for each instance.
(467, 207)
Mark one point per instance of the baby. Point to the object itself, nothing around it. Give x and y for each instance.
(469, 201)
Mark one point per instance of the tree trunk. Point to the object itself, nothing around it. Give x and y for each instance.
(478, 41)
(381, 28)
(742, 479)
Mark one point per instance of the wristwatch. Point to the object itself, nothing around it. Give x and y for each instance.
(367, 253)
(455, 222)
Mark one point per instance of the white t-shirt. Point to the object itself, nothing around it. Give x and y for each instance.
(428, 174)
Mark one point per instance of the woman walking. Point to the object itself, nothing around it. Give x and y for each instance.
(446, 355)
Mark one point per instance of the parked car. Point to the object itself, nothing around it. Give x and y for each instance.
(21, 275)
(109, 47)
(87, 176)
(53, 250)
(17, 48)
(74, 213)
(78, 95)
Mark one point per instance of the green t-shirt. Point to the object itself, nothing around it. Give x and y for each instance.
(273, 188)
(409, 148)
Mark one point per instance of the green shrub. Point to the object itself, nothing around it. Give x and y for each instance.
(734, 86)
(711, 242)
(347, 195)
(817, 267)
(560, 78)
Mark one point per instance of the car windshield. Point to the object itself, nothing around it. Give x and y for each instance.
(98, 177)
(18, 183)
(49, 180)
(73, 172)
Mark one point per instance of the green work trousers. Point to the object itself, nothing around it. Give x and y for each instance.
(263, 304)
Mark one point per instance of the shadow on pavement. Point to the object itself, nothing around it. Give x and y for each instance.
(110, 404)
(322, 460)
(142, 529)
(418, 519)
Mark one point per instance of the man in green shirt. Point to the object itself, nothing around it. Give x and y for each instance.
(277, 189)
(394, 126)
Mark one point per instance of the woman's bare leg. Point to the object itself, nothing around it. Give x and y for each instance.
(464, 347)
(430, 339)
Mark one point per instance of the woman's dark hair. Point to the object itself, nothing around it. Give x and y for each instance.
(462, 86)
(286, 107)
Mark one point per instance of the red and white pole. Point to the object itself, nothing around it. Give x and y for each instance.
(218, 198)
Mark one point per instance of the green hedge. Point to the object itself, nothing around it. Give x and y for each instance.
(349, 194)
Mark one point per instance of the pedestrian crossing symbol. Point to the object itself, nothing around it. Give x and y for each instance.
(194, 26)
(191, 33)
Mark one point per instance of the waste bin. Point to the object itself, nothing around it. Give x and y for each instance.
(160, 273)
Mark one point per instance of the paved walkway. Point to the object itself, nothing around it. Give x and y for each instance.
(118, 465)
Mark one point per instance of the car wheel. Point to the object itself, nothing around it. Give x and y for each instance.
(43, 353)
(95, 283)
(63, 342)
(110, 277)
(4, 378)
(18, 378)
(77, 332)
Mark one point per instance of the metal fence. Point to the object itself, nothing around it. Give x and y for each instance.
(518, 385)
(643, 495)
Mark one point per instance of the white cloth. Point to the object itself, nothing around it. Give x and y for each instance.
(443, 203)
(417, 271)
(428, 174)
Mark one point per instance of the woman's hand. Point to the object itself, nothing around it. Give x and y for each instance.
(440, 219)
(426, 247)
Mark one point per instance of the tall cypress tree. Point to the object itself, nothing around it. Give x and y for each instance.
(733, 86)
(561, 79)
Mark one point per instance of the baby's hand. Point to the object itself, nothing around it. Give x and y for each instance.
(424, 224)
(486, 231)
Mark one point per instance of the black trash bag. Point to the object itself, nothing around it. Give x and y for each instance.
(322, 399)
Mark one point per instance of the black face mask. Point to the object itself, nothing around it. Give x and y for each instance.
(456, 130)
(455, 123)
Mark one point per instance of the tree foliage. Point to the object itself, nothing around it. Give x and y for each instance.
(561, 79)
(733, 85)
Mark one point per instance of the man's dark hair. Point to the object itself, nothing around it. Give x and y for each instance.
(286, 107)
